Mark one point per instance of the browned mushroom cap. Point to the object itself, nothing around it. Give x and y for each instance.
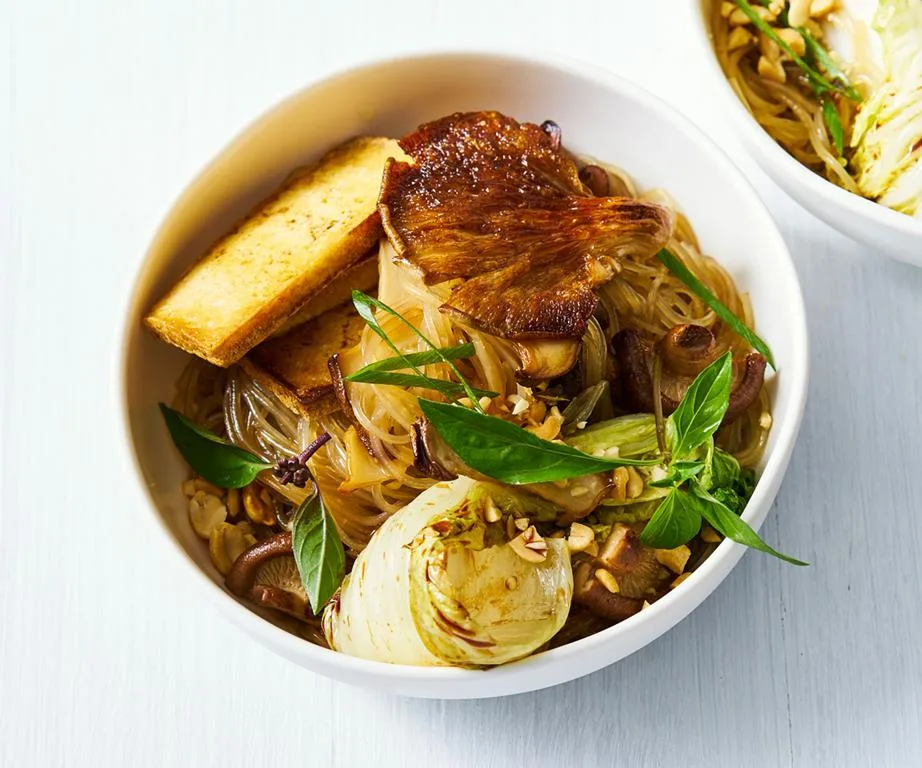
(634, 357)
(496, 204)
(685, 350)
(633, 564)
(590, 592)
(596, 179)
(747, 391)
(339, 388)
(268, 575)
(688, 349)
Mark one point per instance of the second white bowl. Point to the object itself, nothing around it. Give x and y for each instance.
(881, 229)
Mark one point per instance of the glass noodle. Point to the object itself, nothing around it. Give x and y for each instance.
(361, 491)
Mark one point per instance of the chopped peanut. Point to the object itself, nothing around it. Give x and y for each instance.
(674, 559)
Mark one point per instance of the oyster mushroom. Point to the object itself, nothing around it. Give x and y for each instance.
(685, 351)
(499, 205)
(267, 575)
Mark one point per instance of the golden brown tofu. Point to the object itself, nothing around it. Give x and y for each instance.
(362, 276)
(322, 222)
(294, 365)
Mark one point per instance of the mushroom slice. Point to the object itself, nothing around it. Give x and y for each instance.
(278, 585)
(267, 575)
(499, 204)
(636, 567)
(746, 392)
(424, 460)
(546, 359)
(686, 350)
(590, 592)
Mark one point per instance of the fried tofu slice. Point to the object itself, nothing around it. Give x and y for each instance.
(362, 276)
(293, 366)
(321, 223)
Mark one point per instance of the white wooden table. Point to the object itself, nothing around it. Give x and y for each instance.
(106, 110)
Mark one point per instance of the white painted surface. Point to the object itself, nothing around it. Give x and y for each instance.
(106, 110)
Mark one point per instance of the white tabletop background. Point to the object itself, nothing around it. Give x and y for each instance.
(106, 111)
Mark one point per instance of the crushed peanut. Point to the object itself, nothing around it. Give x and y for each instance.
(226, 544)
(674, 559)
(258, 504)
(820, 8)
(206, 512)
(529, 545)
(710, 536)
(608, 581)
(739, 37)
(522, 523)
(491, 512)
(233, 502)
(580, 538)
(773, 71)
(512, 582)
(794, 40)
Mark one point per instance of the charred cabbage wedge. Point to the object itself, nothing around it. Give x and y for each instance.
(888, 128)
(438, 586)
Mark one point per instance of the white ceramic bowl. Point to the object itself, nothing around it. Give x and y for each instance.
(599, 114)
(876, 226)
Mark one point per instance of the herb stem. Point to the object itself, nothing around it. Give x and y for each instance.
(658, 406)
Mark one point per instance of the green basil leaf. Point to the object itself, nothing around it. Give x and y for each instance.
(676, 521)
(834, 124)
(819, 54)
(364, 305)
(447, 388)
(318, 552)
(674, 265)
(679, 472)
(702, 408)
(428, 357)
(725, 522)
(219, 462)
(506, 452)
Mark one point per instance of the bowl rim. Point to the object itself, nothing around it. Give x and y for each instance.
(781, 162)
(526, 674)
